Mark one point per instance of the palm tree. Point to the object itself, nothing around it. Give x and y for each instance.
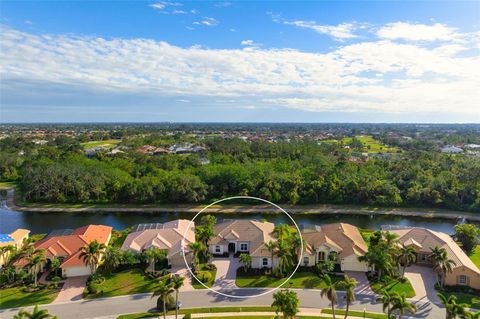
(401, 304)
(390, 240)
(112, 259)
(387, 299)
(163, 290)
(349, 285)
(35, 262)
(286, 302)
(271, 247)
(198, 252)
(90, 254)
(441, 263)
(152, 255)
(36, 314)
(246, 260)
(451, 307)
(284, 257)
(407, 256)
(177, 283)
(330, 291)
(6, 253)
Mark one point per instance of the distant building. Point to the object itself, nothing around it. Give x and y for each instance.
(15, 239)
(450, 149)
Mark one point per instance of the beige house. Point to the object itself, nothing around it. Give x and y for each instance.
(464, 272)
(342, 240)
(167, 236)
(14, 239)
(244, 236)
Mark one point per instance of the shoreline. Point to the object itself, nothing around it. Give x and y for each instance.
(250, 209)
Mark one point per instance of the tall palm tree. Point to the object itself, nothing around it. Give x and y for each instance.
(112, 259)
(401, 304)
(387, 300)
(177, 283)
(163, 290)
(284, 256)
(246, 260)
(441, 263)
(90, 254)
(330, 291)
(198, 252)
(35, 314)
(390, 240)
(271, 247)
(286, 302)
(35, 262)
(349, 285)
(407, 256)
(296, 242)
(6, 253)
(152, 255)
(452, 309)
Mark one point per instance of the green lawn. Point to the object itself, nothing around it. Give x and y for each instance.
(470, 300)
(127, 282)
(299, 280)
(104, 143)
(15, 297)
(475, 256)
(197, 285)
(394, 286)
(373, 315)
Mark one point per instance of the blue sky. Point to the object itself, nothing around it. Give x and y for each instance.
(313, 61)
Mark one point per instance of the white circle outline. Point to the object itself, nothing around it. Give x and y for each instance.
(251, 296)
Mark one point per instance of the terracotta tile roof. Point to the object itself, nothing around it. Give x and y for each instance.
(19, 234)
(255, 232)
(343, 238)
(68, 246)
(428, 239)
(166, 236)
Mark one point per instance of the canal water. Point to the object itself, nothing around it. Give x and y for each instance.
(45, 222)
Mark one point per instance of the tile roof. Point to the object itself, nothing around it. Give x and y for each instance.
(253, 231)
(428, 239)
(165, 236)
(344, 238)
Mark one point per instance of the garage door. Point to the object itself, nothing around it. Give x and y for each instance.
(77, 271)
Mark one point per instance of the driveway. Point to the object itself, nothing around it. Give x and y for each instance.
(72, 289)
(363, 286)
(183, 272)
(423, 280)
(226, 273)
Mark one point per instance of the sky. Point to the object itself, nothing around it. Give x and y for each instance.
(240, 61)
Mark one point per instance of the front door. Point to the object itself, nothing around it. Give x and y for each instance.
(231, 247)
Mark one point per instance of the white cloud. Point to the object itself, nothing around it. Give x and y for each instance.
(164, 4)
(250, 43)
(417, 32)
(373, 76)
(339, 32)
(207, 21)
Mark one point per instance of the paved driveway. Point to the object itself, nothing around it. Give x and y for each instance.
(423, 280)
(363, 286)
(72, 289)
(183, 272)
(226, 273)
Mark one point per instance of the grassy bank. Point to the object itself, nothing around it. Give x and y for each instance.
(17, 297)
(302, 280)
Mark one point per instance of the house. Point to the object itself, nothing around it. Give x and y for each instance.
(244, 236)
(341, 240)
(167, 236)
(67, 248)
(450, 149)
(15, 239)
(464, 273)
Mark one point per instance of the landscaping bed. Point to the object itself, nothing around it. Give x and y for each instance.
(401, 286)
(465, 295)
(207, 274)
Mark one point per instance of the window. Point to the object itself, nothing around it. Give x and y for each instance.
(243, 247)
(305, 260)
(217, 249)
(321, 256)
(462, 280)
(265, 262)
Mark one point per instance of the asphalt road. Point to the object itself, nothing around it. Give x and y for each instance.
(111, 307)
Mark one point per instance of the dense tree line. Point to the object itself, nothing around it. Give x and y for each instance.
(296, 172)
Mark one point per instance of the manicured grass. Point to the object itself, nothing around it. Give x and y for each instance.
(354, 313)
(126, 282)
(299, 280)
(105, 143)
(475, 256)
(197, 285)
(15, 297)
(394, 286)
(199, 310)
(470, 300)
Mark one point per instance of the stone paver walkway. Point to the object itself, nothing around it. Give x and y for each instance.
(363, 286)
(72, 289)
(423, 280)
(226, 273)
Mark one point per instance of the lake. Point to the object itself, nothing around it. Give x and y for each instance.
(46, 222)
